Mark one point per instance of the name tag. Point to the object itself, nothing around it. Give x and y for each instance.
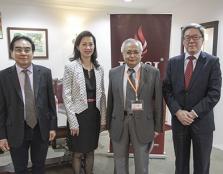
(136, 105)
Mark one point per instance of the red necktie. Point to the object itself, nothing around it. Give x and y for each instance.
(188, 72)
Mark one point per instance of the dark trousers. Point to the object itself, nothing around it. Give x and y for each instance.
(202, 146)
(38, 151)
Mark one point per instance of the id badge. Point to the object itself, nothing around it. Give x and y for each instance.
(136, 105)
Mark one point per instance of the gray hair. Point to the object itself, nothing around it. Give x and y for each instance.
(130, 40)
(195, 26)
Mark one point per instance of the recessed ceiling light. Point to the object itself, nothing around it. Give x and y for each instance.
(128, 0)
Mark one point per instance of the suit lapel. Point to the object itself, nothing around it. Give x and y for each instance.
(81, 80)
(121, 77)
(15, 80)
(142, 79)
(200, 63)
(98, 82)
(36, 79)
(180, 71)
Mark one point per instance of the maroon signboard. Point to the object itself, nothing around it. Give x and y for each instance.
(153, 30)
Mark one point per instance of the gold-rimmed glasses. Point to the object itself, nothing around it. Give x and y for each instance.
(19, 50)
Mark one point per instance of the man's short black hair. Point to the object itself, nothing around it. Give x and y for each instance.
(21, 37)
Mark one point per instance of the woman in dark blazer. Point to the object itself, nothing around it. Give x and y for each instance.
(84, 100)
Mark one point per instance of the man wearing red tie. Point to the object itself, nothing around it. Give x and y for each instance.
(191, 89)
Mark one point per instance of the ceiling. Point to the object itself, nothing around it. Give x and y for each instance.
(100, 4)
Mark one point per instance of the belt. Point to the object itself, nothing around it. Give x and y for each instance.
(126, 113)
(90, 100)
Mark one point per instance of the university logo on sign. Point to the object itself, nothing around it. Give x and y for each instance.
(140, 37)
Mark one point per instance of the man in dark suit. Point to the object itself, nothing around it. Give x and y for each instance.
(134, 108)
(191, 89)
(27, 108)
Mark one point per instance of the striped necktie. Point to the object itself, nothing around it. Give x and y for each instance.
(30, 118)
(188, 72)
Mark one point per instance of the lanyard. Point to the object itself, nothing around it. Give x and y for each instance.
(136, 87)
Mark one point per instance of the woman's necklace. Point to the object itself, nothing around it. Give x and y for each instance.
(88, 68)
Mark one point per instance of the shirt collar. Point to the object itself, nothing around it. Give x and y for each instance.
(195, 55)
(136, 68)
(19, 69)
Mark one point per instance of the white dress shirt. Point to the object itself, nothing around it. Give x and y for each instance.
(21, 77)
(186, 60)
(137, 70)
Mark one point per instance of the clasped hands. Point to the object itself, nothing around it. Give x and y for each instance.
(186, 118)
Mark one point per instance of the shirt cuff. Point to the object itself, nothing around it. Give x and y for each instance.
(194, 113)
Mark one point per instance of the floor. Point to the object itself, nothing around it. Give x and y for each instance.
(58, 163)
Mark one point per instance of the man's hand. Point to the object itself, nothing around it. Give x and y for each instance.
(4, 145)
(74, 131)
(184, 117)
(156, 134)
(52, 135)
(192, 114)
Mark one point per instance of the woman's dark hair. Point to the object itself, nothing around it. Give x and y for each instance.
(21, 37)
(76, 52)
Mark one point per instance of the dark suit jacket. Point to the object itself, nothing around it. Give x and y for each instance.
(12, 106)
(146, 121)
(202, 95)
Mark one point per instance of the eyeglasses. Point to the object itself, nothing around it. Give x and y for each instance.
(26, 50)
(135, 53)
(194, 37)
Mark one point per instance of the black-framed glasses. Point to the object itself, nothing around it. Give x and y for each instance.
(194, 37)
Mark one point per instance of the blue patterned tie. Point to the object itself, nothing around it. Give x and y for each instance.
(131, 73)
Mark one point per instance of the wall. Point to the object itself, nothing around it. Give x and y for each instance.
(199, 11)
(62, 25)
